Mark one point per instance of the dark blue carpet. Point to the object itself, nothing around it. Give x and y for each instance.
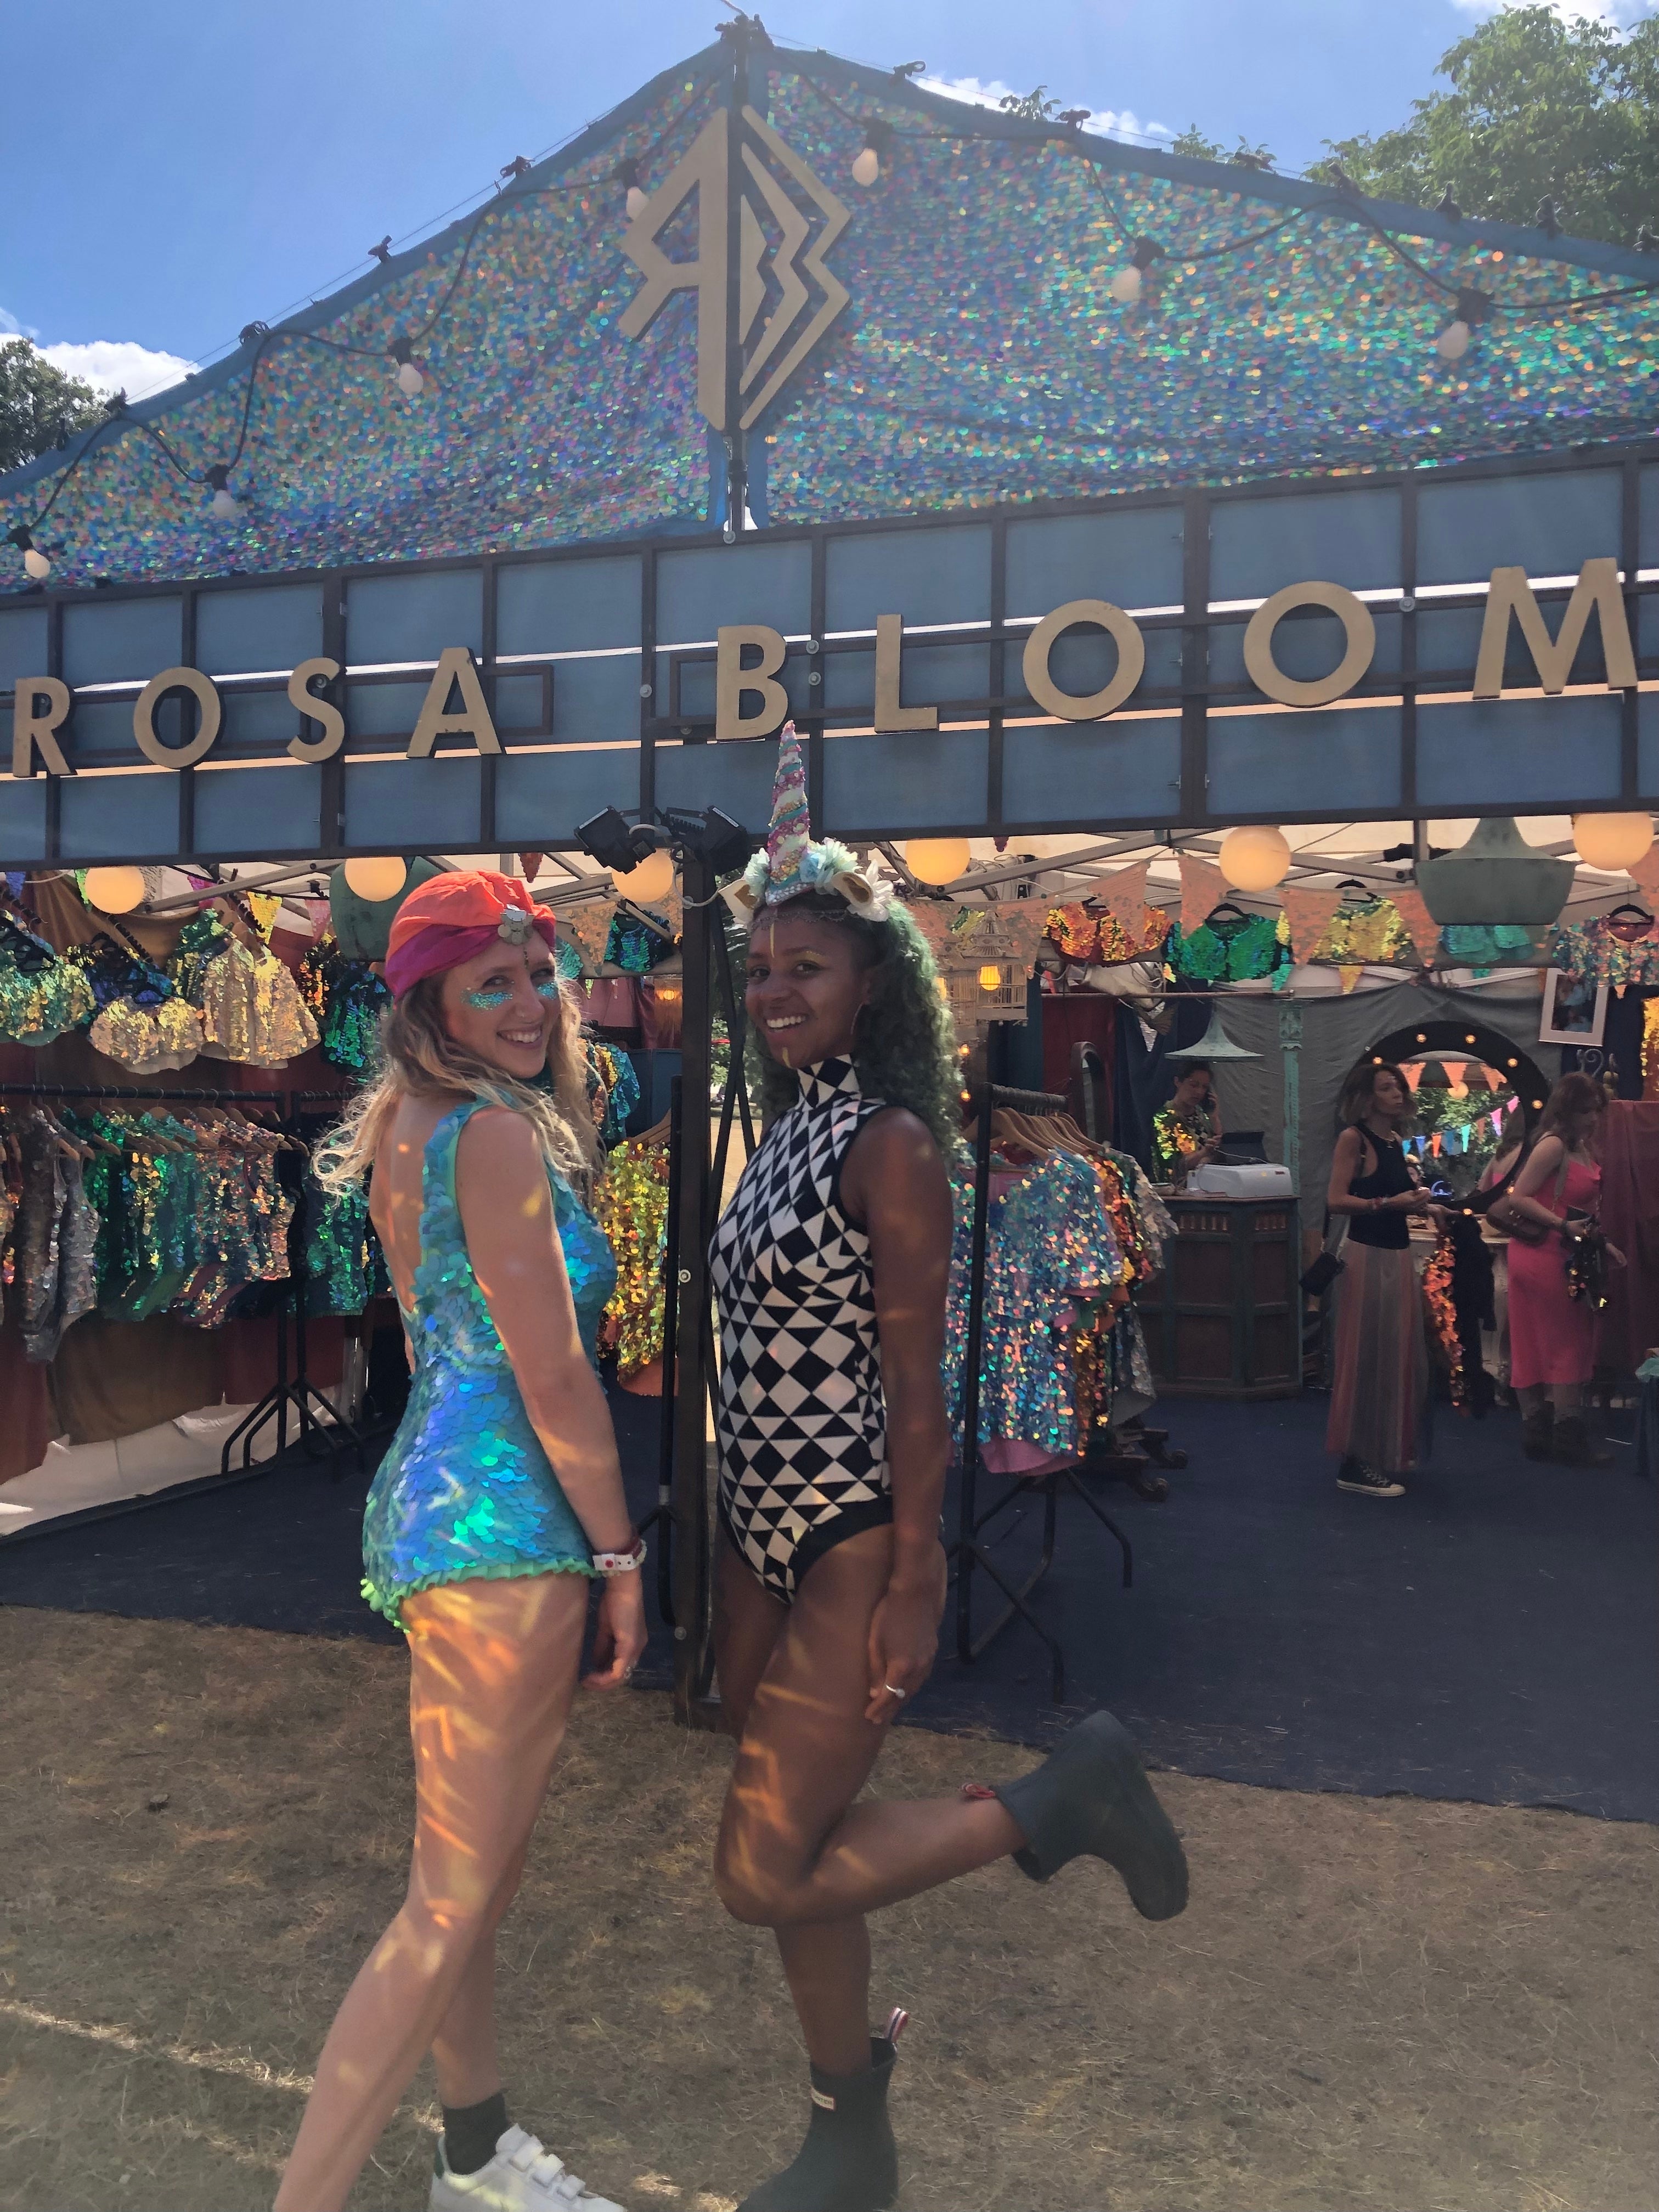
(1489, 1637)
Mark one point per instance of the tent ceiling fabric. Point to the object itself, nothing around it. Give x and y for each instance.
(980, 358)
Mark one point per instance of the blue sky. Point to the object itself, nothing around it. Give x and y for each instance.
(177, 168)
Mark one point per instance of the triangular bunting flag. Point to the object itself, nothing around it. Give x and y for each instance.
(1203, 887)
(1412, 910)
(1310, 915)
(1124, 897)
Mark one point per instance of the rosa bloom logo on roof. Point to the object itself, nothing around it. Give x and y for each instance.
(790, 273)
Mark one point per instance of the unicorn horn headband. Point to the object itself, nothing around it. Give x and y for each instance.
(793, 861)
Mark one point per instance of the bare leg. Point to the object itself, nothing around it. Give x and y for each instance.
(795, 1853)
(1532, 1397)
(464, 2048)
(493, 1670)
(1565, 1397)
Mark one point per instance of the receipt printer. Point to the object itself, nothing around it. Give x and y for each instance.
(1255, 1179)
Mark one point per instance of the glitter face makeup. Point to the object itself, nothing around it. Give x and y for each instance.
(486, 1001)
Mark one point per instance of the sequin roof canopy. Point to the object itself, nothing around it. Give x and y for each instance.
(980, 355)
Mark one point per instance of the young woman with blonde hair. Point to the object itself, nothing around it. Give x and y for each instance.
(498, 1500)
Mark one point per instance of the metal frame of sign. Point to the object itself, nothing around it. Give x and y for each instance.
(1195, 747)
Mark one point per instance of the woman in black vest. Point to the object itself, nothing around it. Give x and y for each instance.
(1379, 1390)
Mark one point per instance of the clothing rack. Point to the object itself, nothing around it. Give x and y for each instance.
(968, 1552)
(297, 1392)
(662, 1513)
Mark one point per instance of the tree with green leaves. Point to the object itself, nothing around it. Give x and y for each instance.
(39, 406)
(1542, 106)
(1197, 146)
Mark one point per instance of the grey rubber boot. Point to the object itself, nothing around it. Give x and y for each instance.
(849, 2161)
(1091, 1796)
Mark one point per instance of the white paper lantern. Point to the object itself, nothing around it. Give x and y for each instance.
(373, 880)
(936, 860)
(653, 878)
(115, 891)
(1254, 858)
(1612, 841)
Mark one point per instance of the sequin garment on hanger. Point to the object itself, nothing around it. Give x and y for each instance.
(1048, 1245)
(251, 1010)
(465, 1490)
(1244, 949)
(1597, 954)
(42, 995)
(633, 1211)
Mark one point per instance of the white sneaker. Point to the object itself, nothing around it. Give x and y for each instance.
(522, 2177)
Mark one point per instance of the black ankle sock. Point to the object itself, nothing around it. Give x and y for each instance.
(472, 2133)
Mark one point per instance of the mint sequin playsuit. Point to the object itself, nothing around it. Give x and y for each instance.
(466, 1491)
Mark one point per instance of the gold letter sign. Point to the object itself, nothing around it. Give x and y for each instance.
(454, 666)
(733, 679)
(32, 731)
(1510, 593)
(704, 171)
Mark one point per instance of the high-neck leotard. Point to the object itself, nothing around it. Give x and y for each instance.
(465, 1490)
(801, 1419)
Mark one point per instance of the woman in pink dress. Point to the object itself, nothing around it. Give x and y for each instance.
(1551, 1333)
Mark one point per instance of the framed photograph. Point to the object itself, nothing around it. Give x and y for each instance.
(1574, 1010)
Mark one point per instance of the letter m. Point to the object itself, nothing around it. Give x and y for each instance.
(1511, 595)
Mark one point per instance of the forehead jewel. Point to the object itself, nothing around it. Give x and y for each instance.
(515, 925)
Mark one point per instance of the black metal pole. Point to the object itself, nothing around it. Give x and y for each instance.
(972, 1347)
(689, 1377)
(670, 1307)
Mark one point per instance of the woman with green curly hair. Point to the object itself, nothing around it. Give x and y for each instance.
(830, 1269)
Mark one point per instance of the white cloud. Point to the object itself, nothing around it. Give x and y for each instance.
(11, 328)
(119, 365)
(1115, 121)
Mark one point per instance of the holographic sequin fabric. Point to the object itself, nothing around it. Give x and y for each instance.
(633, 1212)
(981, 358)
(465, 1490)
(41, 995)
(1598, 954)
(1049, 1247)
(252, 1009)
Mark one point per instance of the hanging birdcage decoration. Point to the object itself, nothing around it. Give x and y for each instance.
(984, 970)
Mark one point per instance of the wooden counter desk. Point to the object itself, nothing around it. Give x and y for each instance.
(1224, 1318)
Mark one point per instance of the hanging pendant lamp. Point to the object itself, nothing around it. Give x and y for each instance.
(1495, 881)
(1215, 1044)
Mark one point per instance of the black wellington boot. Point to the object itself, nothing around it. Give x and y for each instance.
(1092, 1795)
(1538, 1433)
(849, 2161)
(1576, 1447)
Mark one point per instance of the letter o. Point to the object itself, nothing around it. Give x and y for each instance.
(1265, 672)
(1131, 660)
(205, 694)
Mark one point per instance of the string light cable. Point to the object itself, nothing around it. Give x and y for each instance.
(399, 346)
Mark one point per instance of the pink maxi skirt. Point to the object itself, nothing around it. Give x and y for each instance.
(1380, 1390)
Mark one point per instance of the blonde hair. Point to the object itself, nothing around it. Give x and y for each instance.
(419, 1059)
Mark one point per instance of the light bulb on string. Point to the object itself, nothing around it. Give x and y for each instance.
(1472, 309)
(876, 151)
(627, 173)
(936, 860)
(35, 562)
(375, 879)
(1124, 287)
(225, 505)
(410, 380)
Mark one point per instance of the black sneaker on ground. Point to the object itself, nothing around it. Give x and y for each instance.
(1368, 1482)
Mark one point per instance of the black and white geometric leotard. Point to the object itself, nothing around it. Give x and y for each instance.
(801, 1419)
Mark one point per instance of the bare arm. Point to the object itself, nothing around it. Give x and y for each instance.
(894, 1181)
(1543, 1167)
(1346, 1165)
(507, 1211)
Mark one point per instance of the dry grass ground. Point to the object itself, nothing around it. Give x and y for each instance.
(1369, 2003)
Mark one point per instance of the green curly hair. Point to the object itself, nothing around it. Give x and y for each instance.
(905, 1047)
